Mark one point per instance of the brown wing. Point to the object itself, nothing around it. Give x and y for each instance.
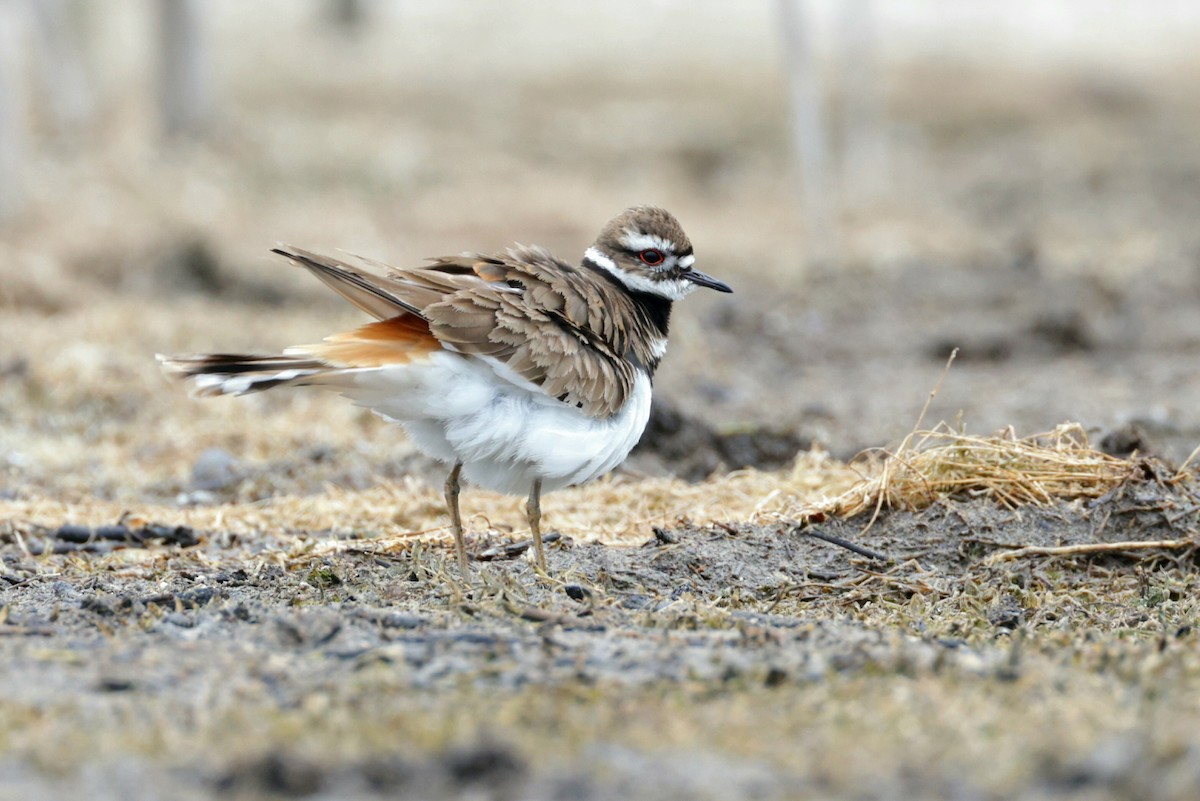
(375, 295)
(540, 318)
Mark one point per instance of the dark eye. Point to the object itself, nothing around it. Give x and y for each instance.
(652, 257)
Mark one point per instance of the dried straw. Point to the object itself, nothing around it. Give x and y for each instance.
(1013, 471)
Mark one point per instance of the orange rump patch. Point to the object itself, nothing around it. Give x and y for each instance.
(398, 340)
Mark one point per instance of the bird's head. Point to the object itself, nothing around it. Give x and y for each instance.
(646, 249)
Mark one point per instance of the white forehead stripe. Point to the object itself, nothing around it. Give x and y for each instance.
(599, 259)
(671, 288)
(687, 261)
(635, 241)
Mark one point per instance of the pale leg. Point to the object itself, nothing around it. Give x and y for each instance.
(533, 508)
(460, 542)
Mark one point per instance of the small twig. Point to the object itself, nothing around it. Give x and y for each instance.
(847, 544)
(26, 631)
(1088, 548)
(1183, 467)
(512, 550)
(537, 615)
(60, 548)
(991, 543)
(929, 401)
(905, 445)
(18, 581)
(789, 590)
(21, 543)
(1171, 520)
(899, 583)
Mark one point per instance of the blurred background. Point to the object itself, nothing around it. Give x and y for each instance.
(881, 182)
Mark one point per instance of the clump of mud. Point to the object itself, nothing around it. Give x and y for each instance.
(688, 447)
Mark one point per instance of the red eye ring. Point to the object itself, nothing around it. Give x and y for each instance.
(652, 257)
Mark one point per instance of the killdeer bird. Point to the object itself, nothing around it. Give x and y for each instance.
(523, 372)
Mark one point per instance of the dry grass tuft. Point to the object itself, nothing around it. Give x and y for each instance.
(1012, 471)
(393, 517)
(396, 516)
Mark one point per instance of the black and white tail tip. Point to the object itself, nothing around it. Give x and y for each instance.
(214, 374)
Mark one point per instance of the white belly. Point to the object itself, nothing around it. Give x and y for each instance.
(506, 436)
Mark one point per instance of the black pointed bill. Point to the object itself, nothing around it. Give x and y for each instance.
(700, 279)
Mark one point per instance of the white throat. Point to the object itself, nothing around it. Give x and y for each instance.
(671, 288)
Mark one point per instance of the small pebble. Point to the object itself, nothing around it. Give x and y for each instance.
(577, 593)
(216, 469)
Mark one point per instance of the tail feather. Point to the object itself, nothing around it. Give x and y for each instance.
(234, 374)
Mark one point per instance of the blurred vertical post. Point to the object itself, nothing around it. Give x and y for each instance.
(865, 171)
(14, 110)
(184, 85)
(809, 145)
(348, 15)
(62, 64)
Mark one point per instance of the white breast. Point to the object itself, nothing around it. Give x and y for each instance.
(506, 435)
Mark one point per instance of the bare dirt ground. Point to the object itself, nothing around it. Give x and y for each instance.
(254, 598)
(717, 661)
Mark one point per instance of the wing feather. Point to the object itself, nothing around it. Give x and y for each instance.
(545, 321)
(369, 293)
